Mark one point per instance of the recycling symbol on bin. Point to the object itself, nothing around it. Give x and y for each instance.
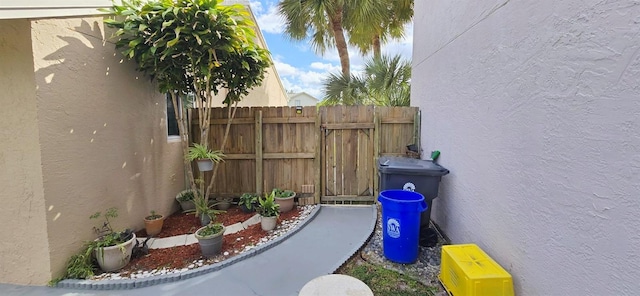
(393, 228)
(409, 186)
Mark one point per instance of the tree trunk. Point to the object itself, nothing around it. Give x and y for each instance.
(376, 46)
(341, 42)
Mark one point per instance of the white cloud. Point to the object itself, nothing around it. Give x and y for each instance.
(301, 80)
(325, 66)
(256, 6)
(312, 77)
(269, 20)
(285, 69)
(402, 47)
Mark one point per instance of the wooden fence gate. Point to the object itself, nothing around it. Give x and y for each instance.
(328, 153)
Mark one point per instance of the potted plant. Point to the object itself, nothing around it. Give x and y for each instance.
(185, 198)
(285, 198)
(248, 202)
(204, 210)
(112, 249)
(268, 210)
(223, 203)
(210, 239)
(204, 157)
(153, 223)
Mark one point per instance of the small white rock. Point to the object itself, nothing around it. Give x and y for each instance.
(226, 254)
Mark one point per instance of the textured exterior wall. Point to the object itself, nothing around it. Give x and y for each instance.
(305, 99)
(103, 135)
(535, 106)
(270, 93)
(24, 256)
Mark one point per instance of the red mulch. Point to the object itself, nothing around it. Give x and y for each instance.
(181, 223)
(183, 256)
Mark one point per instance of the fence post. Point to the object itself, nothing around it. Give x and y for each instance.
(376, 150)
(258, 148)
(317, 161)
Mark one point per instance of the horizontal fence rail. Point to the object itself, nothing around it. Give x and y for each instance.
(325, 154)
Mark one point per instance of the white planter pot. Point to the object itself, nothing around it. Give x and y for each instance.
(268, 223)
(205, 165)
(114, 258)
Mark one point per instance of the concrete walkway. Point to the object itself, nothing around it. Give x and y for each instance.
(319, 248)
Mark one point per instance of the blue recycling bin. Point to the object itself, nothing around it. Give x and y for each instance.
(401, 211)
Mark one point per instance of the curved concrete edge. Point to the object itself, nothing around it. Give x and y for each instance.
(365, 238)
(126, 284)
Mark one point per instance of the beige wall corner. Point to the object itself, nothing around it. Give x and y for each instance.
(24, 256)
(103, 135)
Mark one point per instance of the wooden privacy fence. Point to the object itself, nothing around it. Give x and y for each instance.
(328, 153)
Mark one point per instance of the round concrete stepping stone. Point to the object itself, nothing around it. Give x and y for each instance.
(335, 285)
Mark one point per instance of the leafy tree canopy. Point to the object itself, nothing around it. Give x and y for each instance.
(195, 46)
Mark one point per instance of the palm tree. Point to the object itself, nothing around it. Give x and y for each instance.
(322, 21)
(344, 90)
(383, 20)
(386, 82)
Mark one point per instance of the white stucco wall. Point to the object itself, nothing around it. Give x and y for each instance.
(535, 106)
(304, 98)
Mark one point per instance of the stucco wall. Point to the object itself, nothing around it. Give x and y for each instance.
(102, 135)
(24, 256)
(304, 98)
(535, 106)
(270, 93)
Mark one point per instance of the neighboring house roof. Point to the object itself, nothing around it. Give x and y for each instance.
(301, 94)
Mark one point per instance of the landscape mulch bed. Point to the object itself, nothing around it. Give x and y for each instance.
(183, 256)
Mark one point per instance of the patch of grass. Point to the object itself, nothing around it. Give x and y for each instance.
(385, 282)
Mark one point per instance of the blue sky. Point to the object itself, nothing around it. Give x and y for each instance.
(299, 67)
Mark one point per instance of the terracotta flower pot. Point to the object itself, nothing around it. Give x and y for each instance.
(286, 203)
(113, 258)
(153, 226)
(268, 223)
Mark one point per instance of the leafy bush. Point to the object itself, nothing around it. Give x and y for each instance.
(268, 206)
(249, 200)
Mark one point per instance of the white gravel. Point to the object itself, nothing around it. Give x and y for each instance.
(424, 270)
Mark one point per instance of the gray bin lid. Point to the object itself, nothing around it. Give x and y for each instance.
(410, 166)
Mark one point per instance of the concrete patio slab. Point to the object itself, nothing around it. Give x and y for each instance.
(255, 219)
(168, 242)
(233, 228)
(190, 239)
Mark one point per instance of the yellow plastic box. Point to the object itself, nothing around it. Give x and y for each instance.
(466, 270)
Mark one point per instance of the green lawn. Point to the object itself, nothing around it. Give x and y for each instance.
(383, 281)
